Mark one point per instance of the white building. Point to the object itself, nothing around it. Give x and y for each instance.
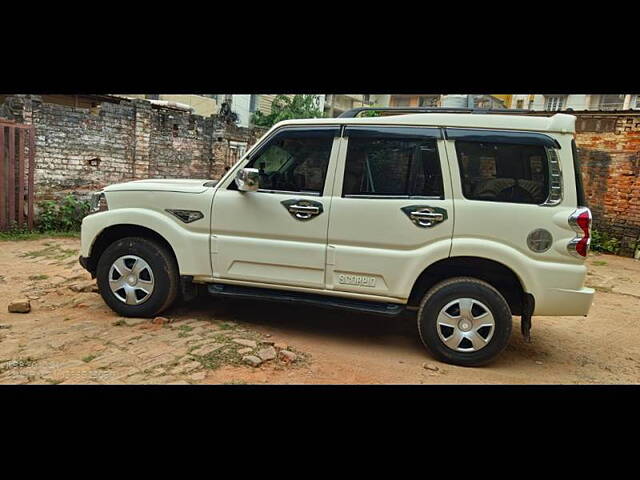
(555, 102)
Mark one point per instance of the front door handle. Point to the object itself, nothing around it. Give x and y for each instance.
(303, 209)
(435, 217)
(425, 216)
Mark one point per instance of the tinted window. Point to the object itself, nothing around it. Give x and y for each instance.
(503, 173)
(294, 162)
(392, 166)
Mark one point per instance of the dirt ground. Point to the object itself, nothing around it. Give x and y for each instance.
(73, 337)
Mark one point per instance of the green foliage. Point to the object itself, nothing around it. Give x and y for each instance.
(65, 216)
(47, 218)
(55, 219)
(371, 113)
(286, 108)
(601, 242)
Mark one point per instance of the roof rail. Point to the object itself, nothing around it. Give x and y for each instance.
(354, 112)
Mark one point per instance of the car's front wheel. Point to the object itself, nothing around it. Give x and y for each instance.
(137, 277)
(464, 321)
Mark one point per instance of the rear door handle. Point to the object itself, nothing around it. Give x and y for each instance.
(425, 216)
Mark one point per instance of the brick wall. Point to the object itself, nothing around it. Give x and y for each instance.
(609, 148)
(79, 150)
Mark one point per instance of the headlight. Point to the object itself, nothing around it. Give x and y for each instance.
(98, 202)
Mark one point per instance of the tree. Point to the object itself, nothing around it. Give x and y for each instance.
(287, 108)
(371, 113)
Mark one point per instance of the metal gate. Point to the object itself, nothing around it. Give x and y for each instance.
(17, 165)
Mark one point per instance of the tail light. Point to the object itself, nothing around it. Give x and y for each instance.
(580, 221)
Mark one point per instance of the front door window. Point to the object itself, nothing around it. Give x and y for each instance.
(294, 162)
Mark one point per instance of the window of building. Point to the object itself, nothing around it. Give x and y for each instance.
(503, 172)
(393, 166)
(520, 103)
(294, 162)
(555, 102)
(611, 102)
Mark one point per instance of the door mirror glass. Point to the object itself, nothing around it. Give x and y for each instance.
(248, 179)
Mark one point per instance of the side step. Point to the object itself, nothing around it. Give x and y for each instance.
(235, 291)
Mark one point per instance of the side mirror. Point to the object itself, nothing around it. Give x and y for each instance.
(248, 179)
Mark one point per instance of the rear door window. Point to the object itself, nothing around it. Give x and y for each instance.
(384, 162)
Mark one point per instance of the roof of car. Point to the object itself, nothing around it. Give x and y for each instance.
(559, 123)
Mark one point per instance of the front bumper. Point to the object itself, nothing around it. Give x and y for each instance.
(84, 262)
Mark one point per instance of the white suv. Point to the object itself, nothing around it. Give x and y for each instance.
(464, 219)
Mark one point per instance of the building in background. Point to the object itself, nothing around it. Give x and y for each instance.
(506, 100)
(424, 100)
(243, 105)
(246, 105)
(474, 101)
(560, 102)
(335, 104)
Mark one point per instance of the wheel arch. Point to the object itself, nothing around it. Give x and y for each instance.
(115, 232)
(496, 274)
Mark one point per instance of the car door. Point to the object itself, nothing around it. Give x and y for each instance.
(277, 235)
(392, 211)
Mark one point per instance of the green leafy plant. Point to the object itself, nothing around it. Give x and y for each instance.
(47, 218)
(602, 242)
(65, 216)
(287, 108)
(371, 113)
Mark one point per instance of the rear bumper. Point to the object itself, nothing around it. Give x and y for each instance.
(564, 302)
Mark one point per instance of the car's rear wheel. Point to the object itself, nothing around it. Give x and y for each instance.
(137, 277)
(464, 321)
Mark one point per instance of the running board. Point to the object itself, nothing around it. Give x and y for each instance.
(235, 291)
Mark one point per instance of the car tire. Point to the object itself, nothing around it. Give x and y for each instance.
(137, 277)
(464, 321)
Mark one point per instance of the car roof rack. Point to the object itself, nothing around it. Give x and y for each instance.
(354, 112)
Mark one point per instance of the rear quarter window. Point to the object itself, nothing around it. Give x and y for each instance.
(499, 172)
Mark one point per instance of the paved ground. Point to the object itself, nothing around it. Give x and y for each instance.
(72, 337)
